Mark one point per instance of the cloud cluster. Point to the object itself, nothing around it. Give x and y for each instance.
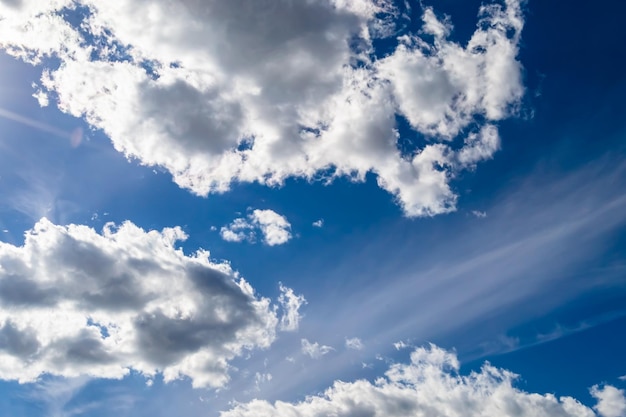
(430, 385)
(274, 228)
(74, 302)
(218, 92)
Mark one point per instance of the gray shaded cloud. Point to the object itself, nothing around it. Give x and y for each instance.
(221, 92)
(86, 348)
(74, 302)
(21, 343)
(17, 291)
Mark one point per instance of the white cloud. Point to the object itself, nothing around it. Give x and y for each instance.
(479, 214)
(479, 146)
(429, 385)
(611, 401)
(74, 302)
(318, 223)
(238, 231)
(622, 378)
(274, 228)
(354, 343)
(400, 345)
(315, 350)
(273, 89)
(290, 303)
(32, 31)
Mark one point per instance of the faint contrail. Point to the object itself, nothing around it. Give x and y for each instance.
(75, 136)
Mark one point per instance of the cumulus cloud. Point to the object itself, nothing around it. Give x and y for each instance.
(74, 302)
(238, 231)
(274, 228)
(219, 92)
(611, 401)
(354, 343)
(318, 223)
(430, 385)
(315, 350)
(479, 146)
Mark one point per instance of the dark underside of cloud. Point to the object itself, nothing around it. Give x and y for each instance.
(75, 302)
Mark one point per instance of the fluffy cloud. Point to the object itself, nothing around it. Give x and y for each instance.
(75, 302)
(479, 146)
(429, 385)
(315, 350)
(219, 92)
(611, 401)
(238, 231)
(274, 228)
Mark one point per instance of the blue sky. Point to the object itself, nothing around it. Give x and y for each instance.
(225, 208)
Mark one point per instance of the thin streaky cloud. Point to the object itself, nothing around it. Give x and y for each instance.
(75, 136)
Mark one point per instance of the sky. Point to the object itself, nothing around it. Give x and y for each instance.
(312, 208)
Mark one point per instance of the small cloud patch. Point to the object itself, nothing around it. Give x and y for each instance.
(315, 350)
(290, 304)
(354, 343)
(273, 228)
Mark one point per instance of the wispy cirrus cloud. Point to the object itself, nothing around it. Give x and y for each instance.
(291, 304)
(473, 275)
(75, 137)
